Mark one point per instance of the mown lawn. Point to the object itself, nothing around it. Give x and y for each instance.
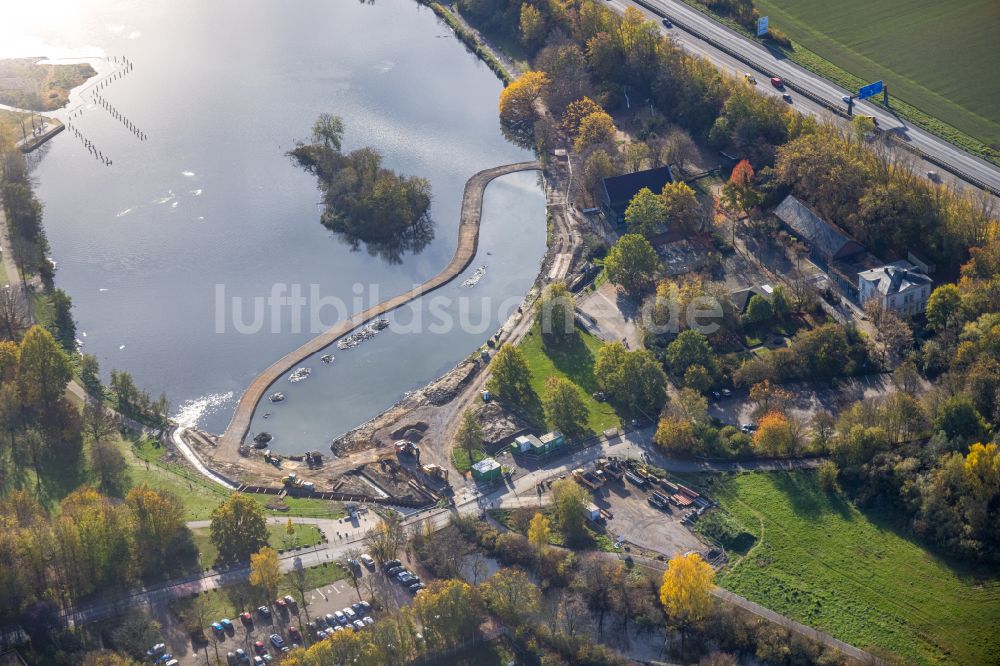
(278, 538)
(574, 361)
(824, 563)
(938, 56)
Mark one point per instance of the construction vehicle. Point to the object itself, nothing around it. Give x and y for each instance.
(272, 458)
(592, 480)
(404, 447)
(435, 471)
(611, 467)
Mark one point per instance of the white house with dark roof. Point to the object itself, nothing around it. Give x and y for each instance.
(900, 287)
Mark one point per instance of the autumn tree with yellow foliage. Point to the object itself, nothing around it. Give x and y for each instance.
(595, 129)
(686, 591)
(540, 532)
(265, 571)
(517, 100)
(774, 436)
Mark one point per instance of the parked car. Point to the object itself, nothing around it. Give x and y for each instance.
(264, 612)
(331, 620)
(259, 648)
(367, 560)
(278, 642)
(258, 661)
(341, 618)
(338, 628)
(231, 659)
(281, 605)
(242, 657)
(290, 600)
(358, 625)
(416, 587)
(295, 635)
(390, 564)
(227, 625)
(156, 650)
(350, 614)
(366, 607)
(353, 564)
(367, 619)
(217, 628)
(246, 618)
(777, 82)
(395, 571)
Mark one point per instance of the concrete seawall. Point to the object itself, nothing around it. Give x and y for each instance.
(468, 241)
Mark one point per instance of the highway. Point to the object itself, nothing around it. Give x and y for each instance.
(696, 32)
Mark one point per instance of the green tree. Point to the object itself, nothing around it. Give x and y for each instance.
(596, 168)
(109, 468)
(631, 262)
(511, 596)
(633, 380)
(758, 310)
(238, 528)
(569, 503)
(689, 348)
(470, 434)
(564, 406)
(43, 369)
(944, 308)
(698, 378)
(329, 130)
(958, 419)
(556, 313)
(63, 326)
(510, 378)
(449, 610)
(645, 213)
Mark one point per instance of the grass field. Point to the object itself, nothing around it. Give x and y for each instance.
(278, 538)
(939, 57)
(574, 361)
(822, 562)
(230, 601)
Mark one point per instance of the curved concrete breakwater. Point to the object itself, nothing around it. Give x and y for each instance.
(468, 239)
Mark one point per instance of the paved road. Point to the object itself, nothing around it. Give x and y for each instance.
(351, 536)
(687, 18)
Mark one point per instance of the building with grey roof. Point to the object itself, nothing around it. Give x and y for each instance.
(827, 242)
(899, 286)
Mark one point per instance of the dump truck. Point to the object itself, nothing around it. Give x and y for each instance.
(592, 480)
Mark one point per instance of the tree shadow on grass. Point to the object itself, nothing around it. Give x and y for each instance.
(807, 498)
(573, 358)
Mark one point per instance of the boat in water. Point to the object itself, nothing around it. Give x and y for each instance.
(299, 374)
(327, 358)
(476, 276)
(364, 333)
(277, 397)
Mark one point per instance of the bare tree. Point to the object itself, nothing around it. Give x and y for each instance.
(385, 539)
(300, 582)
(13, 321)
(354, 569)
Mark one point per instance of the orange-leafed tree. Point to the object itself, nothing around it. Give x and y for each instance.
(517, 100)
(774, 436)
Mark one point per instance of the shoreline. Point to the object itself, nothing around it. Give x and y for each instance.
(468, 239)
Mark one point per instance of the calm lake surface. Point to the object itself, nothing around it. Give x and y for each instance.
(156, 248)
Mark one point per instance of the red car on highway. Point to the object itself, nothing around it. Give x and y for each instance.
(777, 82)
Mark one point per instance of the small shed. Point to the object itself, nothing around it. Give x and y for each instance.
(593, 513)
(487, 470)
(552, 441)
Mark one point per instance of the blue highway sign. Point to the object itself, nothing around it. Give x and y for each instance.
(870, 90)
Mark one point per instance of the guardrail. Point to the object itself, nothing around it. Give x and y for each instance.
(764, 69)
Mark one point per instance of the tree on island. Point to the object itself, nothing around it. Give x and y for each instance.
(365, 202)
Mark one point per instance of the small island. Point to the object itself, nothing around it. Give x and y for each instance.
(363, 201)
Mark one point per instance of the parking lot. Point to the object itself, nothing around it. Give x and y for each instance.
(375, 587)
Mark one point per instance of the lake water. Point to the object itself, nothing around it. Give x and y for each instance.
(208, 204)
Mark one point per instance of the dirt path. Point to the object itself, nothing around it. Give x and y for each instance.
(468, 240)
